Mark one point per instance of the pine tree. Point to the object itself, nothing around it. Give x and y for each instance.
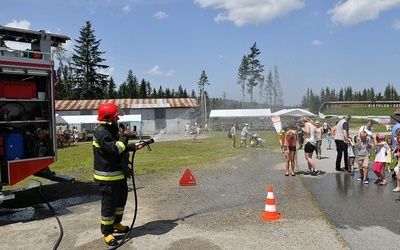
(202, 82)
(143, 89)
(255, 70)
(242, 76)
(65, 75)
(132, 85)
(111, 93)
(90, 83)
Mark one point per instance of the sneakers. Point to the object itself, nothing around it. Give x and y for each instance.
(119, 228)
(377, 181)
(366, 181)
(396, 189)
(110, 240)
(316, 172)
(359, 179)
(307, 172)
(351, 172)
(383, 182)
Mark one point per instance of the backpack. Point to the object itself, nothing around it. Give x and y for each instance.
(229, 134)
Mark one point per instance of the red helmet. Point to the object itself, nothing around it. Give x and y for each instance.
(108, 112)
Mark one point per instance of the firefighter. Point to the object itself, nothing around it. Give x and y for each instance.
(110, 145)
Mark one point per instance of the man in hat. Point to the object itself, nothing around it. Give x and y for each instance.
(341, 140)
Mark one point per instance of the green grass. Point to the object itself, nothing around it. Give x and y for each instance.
(77, 161)
(379, 111)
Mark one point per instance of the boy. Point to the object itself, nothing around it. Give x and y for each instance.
(364, 144)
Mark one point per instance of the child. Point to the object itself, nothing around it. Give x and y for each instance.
(351, 155)
(364, 144)
(389, 154)
(329, 140)
(380, 158)
(396, 153)
(290, 150)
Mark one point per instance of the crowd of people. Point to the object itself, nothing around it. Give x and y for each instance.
(350, 151)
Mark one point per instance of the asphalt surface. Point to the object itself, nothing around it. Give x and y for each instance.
(365, 215)
(329, 211)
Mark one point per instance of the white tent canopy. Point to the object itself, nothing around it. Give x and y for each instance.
(81, 119)
(240, 113)
(293, 112)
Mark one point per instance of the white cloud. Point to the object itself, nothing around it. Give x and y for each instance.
(170, 73)
(24, 24)
(92, 8)
(316, 42)
(108, 71)
(396, 24)
(126, 9)
(155, 71)
(160, 15)
(20, 25)
(242, 12)
(352, 12)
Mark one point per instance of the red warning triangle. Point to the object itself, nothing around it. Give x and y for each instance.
(187, 179)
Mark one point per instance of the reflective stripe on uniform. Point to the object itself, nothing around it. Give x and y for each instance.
(121, 146)
(107, 220)
(108, 176)
(119, 211)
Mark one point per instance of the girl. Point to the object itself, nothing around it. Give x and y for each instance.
(290, 150)
(309, 130)
(389, 154)
(351, 155)
(329, 140)
(380, 158)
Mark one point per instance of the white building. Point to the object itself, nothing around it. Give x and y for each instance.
(168, 114)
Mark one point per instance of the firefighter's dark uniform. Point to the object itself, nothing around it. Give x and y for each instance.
(108, 148)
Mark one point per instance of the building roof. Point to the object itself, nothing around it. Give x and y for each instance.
(69, 105)
(293, 112)
(240, 113)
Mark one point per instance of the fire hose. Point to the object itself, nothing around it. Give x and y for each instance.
(132, 175)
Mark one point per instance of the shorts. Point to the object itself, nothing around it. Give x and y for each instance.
(363, 161)
(378, 166)
(290, 148)
(309, 148)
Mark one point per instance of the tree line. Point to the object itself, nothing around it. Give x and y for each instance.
(313, 101)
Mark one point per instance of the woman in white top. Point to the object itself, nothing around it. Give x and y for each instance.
(309, 131)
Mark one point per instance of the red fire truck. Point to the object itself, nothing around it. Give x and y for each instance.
(28, 143)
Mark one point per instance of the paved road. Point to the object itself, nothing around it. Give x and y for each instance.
(366, 216)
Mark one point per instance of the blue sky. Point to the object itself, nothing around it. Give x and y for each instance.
(314, 43)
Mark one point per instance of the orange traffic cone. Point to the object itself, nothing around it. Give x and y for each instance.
(270, 212)
(187, 179)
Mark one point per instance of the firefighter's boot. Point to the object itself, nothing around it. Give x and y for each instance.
(119, 228)
(110, 240)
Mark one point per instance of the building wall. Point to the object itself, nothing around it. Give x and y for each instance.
(154, 121)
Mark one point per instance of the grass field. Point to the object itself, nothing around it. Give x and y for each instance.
(77, 161)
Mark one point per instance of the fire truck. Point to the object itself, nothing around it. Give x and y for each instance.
(28, 141)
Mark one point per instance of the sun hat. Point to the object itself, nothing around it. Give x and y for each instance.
(380, 136)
